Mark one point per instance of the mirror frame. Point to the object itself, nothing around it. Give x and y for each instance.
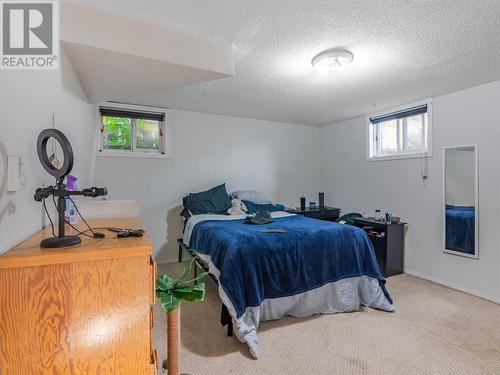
(476, 201)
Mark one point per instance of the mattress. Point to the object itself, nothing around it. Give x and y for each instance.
(294, 266)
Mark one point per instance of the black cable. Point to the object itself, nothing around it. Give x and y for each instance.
(71, 225)
(77, 230)
(103, 228)
(47, 213)
(79, 214)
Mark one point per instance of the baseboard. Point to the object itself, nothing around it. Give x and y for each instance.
(453, 286)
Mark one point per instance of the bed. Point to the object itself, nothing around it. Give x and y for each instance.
(294, 266)
(460, 228)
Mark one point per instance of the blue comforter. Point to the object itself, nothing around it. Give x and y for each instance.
(255, 265)
(460, 228)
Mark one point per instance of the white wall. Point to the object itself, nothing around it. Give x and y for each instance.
(27, 101)
(460, 177)
(282, 160)
(461, 118)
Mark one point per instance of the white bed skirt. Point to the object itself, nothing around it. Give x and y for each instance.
(339, 296)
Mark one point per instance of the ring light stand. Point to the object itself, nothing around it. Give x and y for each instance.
(59, 190)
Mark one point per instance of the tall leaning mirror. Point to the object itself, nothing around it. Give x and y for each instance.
(461, 201)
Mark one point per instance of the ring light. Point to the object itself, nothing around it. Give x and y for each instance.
(41, 147)
(59, 190)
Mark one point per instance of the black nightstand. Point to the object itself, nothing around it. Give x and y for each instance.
(389, 243)
(325, 213)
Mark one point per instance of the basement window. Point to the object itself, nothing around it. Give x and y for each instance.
(132, 131)
(403, 132)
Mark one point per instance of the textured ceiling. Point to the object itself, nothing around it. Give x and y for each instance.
(403, 51)
(104, 55)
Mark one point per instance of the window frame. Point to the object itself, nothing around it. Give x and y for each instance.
(371, 144)
(134, 152)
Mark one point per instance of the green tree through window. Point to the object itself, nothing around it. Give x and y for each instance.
(123, 133)
(117, 133)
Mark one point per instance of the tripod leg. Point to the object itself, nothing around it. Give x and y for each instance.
(60, 210)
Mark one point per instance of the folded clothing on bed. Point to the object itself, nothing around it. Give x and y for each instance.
(259, 218)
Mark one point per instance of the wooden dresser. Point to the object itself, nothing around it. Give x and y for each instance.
(79, 310)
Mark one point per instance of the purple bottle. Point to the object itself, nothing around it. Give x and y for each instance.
(71, 182)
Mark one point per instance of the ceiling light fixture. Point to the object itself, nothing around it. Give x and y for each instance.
(332, 60)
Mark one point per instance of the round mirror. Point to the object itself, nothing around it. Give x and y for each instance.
(55, 152)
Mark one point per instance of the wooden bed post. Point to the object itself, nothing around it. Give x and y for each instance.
(174, 341)
(171, 292)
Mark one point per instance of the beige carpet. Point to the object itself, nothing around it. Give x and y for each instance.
(435, 330)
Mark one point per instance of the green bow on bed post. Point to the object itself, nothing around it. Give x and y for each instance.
(171, 292)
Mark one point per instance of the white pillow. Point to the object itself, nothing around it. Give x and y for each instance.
(252, 196)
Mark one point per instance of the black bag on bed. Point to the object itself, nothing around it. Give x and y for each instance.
(261, 217)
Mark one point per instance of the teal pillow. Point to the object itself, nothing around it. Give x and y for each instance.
(213, 201)
(255, 207)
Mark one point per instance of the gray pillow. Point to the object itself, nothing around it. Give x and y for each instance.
(252, 196)
(213, 201)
